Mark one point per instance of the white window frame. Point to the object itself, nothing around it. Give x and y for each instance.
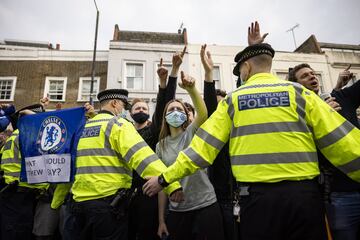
(233, 76)
(81, 79)
(12, 94)
(220, 76)
(321, 84)
(47, 85)
(125, 75)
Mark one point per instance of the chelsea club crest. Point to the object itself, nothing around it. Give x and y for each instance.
(52, 135)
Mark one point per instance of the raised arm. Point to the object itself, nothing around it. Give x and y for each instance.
(160, 99)
(177, 60)
(209, 85)
(188, 83)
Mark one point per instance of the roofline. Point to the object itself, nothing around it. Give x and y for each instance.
(339, 46)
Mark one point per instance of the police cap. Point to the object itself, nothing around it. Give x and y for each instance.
(251, 51)
(120, 94)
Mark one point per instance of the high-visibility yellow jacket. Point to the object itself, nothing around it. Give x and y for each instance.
(11, 162)
(108, 150)
(273, 127)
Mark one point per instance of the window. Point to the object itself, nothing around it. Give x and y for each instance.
(84, 88)
(322, 89)
(55, 88)
(134, 76)
(7, 88)
(216, 76)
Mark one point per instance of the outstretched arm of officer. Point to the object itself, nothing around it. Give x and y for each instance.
(254, 35)
(336, 138)
(136, 154)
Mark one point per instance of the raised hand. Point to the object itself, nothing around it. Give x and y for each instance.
(162, 72)
(178, 58)
(89, 110)
(207, 63)
(176, 62)
(254, 36)
(44, 101)
(344, 77)
(187, 82)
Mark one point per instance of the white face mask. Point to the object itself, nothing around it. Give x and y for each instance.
(176, 118)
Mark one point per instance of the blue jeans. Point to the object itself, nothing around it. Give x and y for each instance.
(344, 215)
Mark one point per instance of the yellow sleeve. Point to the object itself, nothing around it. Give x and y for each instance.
(61, 190)
(137, 154)
(206, 144)
(336, 137)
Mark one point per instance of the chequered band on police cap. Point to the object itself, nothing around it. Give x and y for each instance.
(256, 52)
(113, 96)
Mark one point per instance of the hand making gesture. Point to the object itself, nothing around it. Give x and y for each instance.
(207, 63)
(177, 61)
(162, 72)
(254, 36)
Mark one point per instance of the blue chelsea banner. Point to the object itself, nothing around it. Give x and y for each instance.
(48, 144)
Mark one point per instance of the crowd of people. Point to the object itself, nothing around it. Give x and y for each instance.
(269, 160)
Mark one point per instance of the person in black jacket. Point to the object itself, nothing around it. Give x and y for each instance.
(219, 173)
(342, 196)
(143, 211)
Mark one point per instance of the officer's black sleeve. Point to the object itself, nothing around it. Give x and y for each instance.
(353, 92)
(170, 89)
(159, 109)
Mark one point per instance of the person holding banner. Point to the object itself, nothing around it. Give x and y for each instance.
(17, 198)
(108, 150)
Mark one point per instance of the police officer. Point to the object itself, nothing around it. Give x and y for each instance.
(273, 127)
(108, 150)
(17, 199)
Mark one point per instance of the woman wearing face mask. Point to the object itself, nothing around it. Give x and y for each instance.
(198, 216)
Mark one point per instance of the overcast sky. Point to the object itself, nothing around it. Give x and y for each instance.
(224, 22)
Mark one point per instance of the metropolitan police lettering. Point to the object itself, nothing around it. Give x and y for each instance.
(48, 145)
(263, 100)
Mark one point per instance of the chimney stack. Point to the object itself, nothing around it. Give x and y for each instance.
(185, 36)
(116, 36)
(57, 46)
